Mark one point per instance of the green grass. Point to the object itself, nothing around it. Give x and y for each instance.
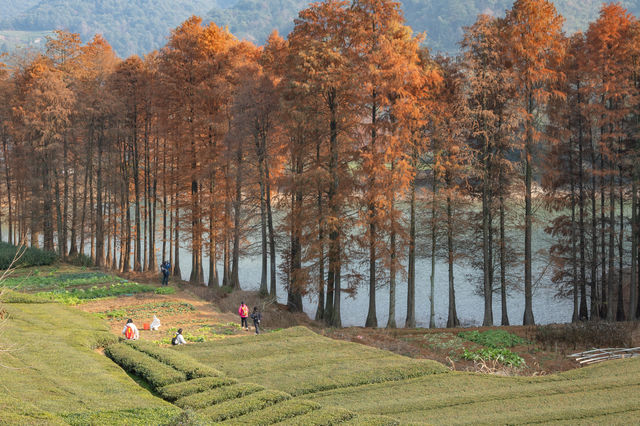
(54, 373)
(79, 295)
(51, 280)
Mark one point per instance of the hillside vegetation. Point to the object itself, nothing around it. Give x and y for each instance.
(142, 26)
(44, 373)
(291, 376)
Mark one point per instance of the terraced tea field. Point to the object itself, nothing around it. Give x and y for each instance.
(53, 371)
(368, 381)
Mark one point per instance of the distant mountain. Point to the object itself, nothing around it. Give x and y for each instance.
(140, 26)
(131, 26)
(443, 21)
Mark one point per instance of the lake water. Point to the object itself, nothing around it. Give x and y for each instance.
(547, 308)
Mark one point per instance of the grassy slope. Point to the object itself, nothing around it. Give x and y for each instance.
(300, 362)
(55, 372)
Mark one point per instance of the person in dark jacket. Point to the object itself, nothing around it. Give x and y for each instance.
(256, 317)
(165, 268)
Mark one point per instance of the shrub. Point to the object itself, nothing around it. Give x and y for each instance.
(136, 416)
(181, 362)
(180, 390)
(80, 260)
(493, 338)
(277, 413)
(153, 371)
(30, 256)
(597, 334)
(217, 395)
(323, 416)
(238, 407)
(503, 356)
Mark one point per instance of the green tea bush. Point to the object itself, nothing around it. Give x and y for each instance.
(181, 362)
(217, 395)
(276, 413)
(493, 338)
(323, 416)
(180, 390)
(375, 375)
(77, 295)
(136, 416)
(30, 256)
(372, 420)
(237, 407)
(153, 371)
(503, 356)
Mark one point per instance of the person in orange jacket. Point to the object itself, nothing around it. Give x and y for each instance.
(243, 311)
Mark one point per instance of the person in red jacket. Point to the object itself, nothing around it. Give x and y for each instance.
(243, 311)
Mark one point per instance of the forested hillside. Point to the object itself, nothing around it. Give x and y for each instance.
(144, 25)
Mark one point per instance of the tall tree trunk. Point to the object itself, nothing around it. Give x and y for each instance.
(320, 308)
(633, 285)
(410, 321)
(372, 320)
(528, 318)
(620, 316)
(58, 205)
(332, 314)
(391, 322)
(176, 225)
(486, 244)
(99, 259)
(8, 184)
(595, 308)
(584, 312)
(574, 255)
(272, 238)
(73, 248)
(603, 260)
(264, 290)
(65, 198)
(503, 262)
(432, 277)
(452, 318)
(237, 205)
(612, 254)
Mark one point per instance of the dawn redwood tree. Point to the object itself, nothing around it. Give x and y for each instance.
(488, 91)
(386, 52)
(43, 110)
(319, 43)
(609, 48)
(534, 48)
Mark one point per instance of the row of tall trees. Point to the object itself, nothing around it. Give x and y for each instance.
(342, 155)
